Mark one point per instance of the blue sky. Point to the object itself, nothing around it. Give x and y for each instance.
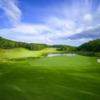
(70, 22)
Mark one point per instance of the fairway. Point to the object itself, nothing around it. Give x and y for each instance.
(51, 79)
(65, 61)
(22, 52)
(49, 49)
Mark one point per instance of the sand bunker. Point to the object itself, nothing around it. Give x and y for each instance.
(98, 60)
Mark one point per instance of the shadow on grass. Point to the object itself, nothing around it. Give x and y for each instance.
(20, 81)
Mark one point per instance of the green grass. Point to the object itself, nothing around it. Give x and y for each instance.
(65, 61)
(25, 80)
(21, 53)
(46, 50)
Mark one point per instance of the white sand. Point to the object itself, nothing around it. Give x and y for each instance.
(98, 60)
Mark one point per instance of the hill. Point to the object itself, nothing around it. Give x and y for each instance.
(9, 44)
(64, 47)
(90, 46)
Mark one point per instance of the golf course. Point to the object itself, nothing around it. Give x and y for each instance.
(49, 49)
(62, 77)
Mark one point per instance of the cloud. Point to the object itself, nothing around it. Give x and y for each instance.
(29, 33)
(59, 24)
(11, 10)
(90, 32)
(26, 29)
(30, 29)
(32, 39)
(88, 18)
(70, 24)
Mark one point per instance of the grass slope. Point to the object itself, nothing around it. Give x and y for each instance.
(21, 52)
(24, 81)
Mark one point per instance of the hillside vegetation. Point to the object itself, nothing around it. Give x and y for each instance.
(90, 46)
(64, 47)
(9, 44)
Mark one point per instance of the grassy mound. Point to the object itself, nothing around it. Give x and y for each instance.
(62, 61)
(22, 53)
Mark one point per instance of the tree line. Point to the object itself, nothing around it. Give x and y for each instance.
(90, 46)
(64, 47)
(9, 44)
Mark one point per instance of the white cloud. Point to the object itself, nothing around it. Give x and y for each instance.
(26, 29)
(30, 28)
(88, 18)
(69, 24)
(55, 22)
(32, 38)
(79, 30)
(11, 10)
(66, 20)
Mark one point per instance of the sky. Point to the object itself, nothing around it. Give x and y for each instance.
(68, 22)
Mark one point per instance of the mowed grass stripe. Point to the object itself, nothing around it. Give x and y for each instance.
(62, 61)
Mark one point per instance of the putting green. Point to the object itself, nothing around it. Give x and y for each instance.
(62, 61)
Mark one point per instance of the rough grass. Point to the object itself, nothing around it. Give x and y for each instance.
(23, 81)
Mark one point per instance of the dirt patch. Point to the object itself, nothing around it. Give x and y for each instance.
(3, 60)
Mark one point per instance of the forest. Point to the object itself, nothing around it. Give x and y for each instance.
(65, 47)
(90, 46)
(9, 44)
